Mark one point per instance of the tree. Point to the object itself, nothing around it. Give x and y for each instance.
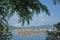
(55, 34)
(24, 8)
(4, 33)
(56, 1)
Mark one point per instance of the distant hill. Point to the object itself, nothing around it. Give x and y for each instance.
(31, 27)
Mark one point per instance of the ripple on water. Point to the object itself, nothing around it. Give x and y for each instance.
(28, 37)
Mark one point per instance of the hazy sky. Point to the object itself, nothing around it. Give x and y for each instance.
(42, 18)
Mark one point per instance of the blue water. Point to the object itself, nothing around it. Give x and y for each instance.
(28, 37)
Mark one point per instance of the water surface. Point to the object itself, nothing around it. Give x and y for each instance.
(28, 37)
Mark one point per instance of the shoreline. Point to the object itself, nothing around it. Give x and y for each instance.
(30, 32)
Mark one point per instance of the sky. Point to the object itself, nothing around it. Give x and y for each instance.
(42, 18)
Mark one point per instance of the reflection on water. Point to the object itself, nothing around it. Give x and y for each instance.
(29, 37)
(29, 34)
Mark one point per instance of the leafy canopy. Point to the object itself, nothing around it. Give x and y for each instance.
(55, 34)
(24, 9)
(56, 1)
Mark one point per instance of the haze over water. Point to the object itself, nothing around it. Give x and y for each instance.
(30, 33)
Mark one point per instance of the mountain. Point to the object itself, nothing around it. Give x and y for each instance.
(31, 27)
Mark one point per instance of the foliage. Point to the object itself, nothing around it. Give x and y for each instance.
(55, 34)
(24, 8)
(56, 1)
(4, 33)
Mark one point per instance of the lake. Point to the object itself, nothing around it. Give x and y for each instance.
(28, 37)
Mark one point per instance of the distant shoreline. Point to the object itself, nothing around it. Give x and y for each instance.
(30, 32)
